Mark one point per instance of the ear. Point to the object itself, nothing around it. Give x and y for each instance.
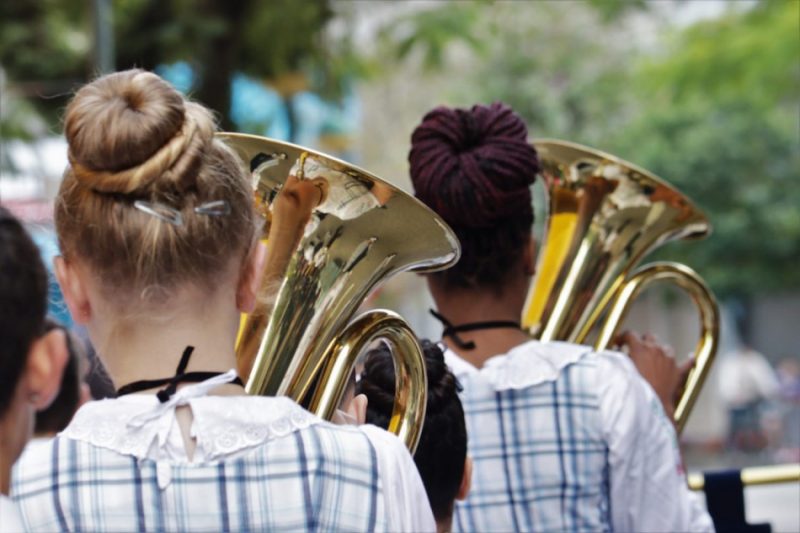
(250, 280)
(46, 361)
(466, 480)
(529, 257)
(74, 290)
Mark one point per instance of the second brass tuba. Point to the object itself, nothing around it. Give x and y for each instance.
(302, 340)
(605, 215)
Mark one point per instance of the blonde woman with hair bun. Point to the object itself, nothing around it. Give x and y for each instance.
(160, 256)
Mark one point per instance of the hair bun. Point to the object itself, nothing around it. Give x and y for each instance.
(128, 132)
(473, 167)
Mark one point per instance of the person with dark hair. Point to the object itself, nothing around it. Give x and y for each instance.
(74, 390)
(441, 455)
(161, 254)
(31, 360)
(562, 438)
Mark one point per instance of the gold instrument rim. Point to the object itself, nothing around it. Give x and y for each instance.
(756, 475)
(224, 135)
(699, 213)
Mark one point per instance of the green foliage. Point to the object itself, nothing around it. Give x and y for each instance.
(540, 60)
(751, 56)
(50, 41)
(611, 10)
(740, 167)
(42, 39)
(718, 118)
(283, 38)
(431, 32)
(44, 50)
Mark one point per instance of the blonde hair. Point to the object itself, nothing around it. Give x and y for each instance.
(133, 138)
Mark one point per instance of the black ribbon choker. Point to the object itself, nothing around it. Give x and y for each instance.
(181, 376)
(452, 331)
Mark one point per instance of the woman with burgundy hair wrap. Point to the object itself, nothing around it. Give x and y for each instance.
(562, 437)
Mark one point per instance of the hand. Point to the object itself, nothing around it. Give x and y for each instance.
(657, 366)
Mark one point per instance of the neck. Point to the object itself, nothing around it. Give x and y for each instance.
(150, 346)
(480, 305)
(5, 473)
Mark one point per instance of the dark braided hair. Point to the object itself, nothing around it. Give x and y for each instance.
(442, 448)
(23, 302)
(475, 168)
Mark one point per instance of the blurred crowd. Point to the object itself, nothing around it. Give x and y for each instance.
(762, 403)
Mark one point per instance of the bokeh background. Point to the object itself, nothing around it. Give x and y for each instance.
(705, 94)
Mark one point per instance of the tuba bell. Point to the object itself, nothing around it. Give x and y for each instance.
(301, 340)
(605, 215)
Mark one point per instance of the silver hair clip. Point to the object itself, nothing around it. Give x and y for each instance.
(160, 211)
(215, 208)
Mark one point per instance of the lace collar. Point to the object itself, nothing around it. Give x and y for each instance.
(223, 426)
(526, 365)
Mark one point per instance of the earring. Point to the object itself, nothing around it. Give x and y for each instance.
(33, 397)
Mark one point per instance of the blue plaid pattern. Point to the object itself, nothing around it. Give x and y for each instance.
(322, 478)
(540, 460)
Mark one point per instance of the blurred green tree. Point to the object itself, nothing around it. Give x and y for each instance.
(43, 51)
(718, 117)
(46, 46)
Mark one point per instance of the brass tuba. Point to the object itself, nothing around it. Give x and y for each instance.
(605, 214)
(301, 340)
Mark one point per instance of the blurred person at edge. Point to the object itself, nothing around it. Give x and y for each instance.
(562, 438)
(74, 390)
(789, 398)
(747, 383)
(159, 237)
(31, 359)
(441, 455)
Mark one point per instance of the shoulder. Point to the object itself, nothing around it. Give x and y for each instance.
(386, 442)
(407, 502)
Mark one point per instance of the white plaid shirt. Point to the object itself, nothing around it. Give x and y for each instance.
(261, 464)
(10, 521)
(566, 439)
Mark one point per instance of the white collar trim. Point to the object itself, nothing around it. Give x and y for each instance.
(526, 365)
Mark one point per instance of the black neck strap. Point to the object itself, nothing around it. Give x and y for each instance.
(181, 376)
(452, 331)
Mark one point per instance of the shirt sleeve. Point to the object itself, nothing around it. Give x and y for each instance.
(407, 503)
(649, 492)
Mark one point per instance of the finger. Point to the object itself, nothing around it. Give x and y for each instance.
(627, 338)
(685, 368)
(650, 338)
(321, 185)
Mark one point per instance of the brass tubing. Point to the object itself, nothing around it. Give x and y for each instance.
(757, 475)
(411, 385)
(706, 347)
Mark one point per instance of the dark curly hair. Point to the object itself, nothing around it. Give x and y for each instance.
(23, 302)
(474, 167)
(442, 448)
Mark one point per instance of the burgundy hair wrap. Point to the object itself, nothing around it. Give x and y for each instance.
(473, 167)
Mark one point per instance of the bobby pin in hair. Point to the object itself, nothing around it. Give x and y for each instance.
(160, 211)
(214, 208)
